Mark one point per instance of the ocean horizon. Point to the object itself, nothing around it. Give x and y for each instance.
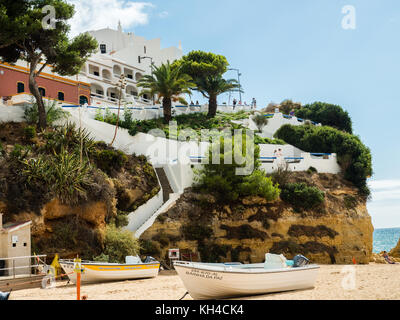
(385, 239)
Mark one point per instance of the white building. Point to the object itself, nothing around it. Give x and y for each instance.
(119, 53)
(123, 53)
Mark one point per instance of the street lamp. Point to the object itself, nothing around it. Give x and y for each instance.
(151, 66)
(240, 88)
(121, 84)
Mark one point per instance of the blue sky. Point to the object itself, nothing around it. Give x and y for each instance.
(297, 49)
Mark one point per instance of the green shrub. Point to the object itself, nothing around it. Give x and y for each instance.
(257, 184)
(286, 106)
(110, 117)
(281, 175)
(121, 219)
(327, 114)
(150, 248)
(127, 121)
(224, 181)
(19, 153)
(260, 120)
(119, 243)
(102, 258)
(196, 121)
(259, 140)
(99, 115)
(29, 133)
(353, 155)
(53, 112)
(302, 196)
(108, 160)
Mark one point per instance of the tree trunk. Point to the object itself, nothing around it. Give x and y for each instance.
(167, 109)
(119, 108)
(212, 106)
(33, 87)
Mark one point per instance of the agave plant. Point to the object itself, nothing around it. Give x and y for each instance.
(64, 174)
(71, 138)
(168, 82)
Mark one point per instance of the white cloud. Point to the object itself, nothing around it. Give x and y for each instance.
(163, 14)
(95, 14)
(385, 190)
(385, 205)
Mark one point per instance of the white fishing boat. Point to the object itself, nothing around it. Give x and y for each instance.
(92, 271)
(206, 281)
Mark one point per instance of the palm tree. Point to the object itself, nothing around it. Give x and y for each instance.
(168, 82)
(211, 87)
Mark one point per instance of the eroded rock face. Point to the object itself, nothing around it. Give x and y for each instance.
(67, 230)
(395, 252)
(245, 231)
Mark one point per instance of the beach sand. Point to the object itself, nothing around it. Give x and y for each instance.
(373, 281)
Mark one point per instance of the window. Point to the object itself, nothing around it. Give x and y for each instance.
(100, 92)
(42, 92)
(61, 96)
(145, 49)
(139, 59)
(129, 76)
(20, 87)
(14, 245)
(25, 244)
(96, 73)
(83, 100)
(103, 48)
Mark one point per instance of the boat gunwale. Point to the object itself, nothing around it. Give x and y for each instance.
(111, 264)
(266, 271)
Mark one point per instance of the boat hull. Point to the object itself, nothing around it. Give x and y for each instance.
(206, 283)
(105, 272)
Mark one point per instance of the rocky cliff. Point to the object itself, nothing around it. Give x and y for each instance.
(69, 216)
(395, 252)
(335, 232)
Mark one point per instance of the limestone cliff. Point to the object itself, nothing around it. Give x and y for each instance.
(114, 185)
(395, 252)
(336, 232)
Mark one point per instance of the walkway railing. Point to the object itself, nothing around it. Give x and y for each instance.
(14, 264)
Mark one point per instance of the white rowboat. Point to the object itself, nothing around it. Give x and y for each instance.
(219, 281)
(102, 272)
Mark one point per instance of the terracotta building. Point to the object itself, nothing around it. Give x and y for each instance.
(14, 81)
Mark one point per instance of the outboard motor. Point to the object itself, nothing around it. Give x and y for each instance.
(149, 259)
(300, 261)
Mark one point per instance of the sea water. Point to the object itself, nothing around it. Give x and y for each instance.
(385, 239)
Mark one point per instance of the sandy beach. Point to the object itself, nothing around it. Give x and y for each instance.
(374, 281)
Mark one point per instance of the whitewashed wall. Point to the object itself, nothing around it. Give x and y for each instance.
(11, 113)
(277, 121)
(142, 214)
(303, 163)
